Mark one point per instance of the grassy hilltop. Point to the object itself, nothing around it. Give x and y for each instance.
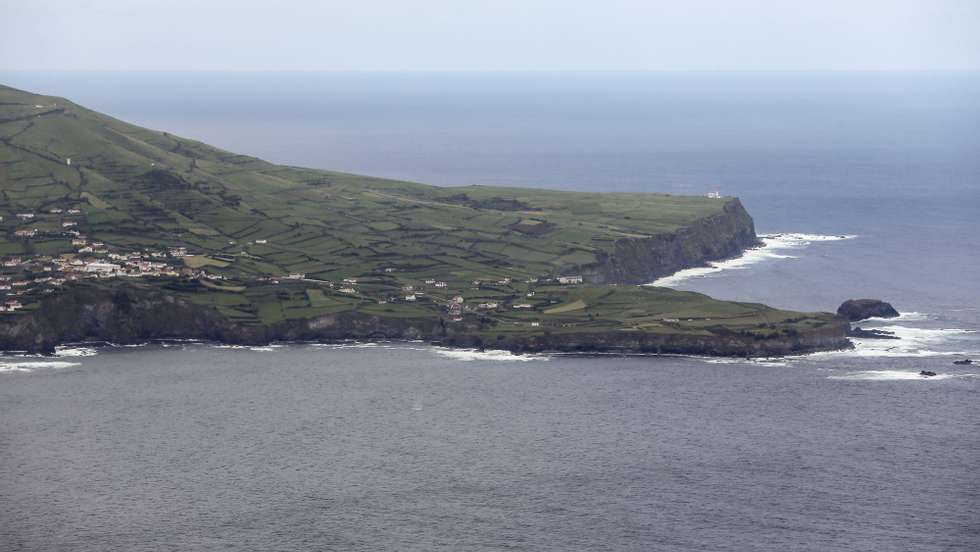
(414, 250)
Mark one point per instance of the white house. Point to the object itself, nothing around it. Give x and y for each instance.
(102, 267)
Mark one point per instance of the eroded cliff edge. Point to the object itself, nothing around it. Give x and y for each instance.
(642, 260)
(130, 315)
(127, 313)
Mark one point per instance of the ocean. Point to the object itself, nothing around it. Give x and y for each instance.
(861, 185)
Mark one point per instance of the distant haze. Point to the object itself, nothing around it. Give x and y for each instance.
(482, 35)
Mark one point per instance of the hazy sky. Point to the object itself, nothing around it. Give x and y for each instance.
(490, 35)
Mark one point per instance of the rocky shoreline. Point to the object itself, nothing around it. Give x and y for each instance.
(130, 315)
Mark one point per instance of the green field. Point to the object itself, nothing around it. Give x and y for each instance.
(252, 223)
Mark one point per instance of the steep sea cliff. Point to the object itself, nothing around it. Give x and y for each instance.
(643, 260)
(130, 315)
(127, 314)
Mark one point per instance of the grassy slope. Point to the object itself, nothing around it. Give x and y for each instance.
(139, 188)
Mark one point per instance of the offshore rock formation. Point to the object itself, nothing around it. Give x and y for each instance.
(643, 260)
(862, 333)
(861, 309)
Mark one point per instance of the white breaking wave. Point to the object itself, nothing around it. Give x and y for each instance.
(75, 352)
(902, 317)
(367, 345)
(772, 244)
(465, 355)
(912, 342)
(469, 355)
(30, 366)
(895, 375)
(754, 361)
(256, 348)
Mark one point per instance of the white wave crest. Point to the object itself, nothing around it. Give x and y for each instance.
(469, 355)
(771, 243)
(902, 317)
(75, 352)
(912, 342)
(753, 361)
(28, 367)
(895, 375)
(255, 348)
(367, 345)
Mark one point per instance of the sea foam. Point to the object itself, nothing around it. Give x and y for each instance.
(774, 246)
(895, 375)
(255, 348)
(75, 352)
(912, 342)
(469, 355)
(30, 366)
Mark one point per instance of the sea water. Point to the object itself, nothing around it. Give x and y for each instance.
(861, 185)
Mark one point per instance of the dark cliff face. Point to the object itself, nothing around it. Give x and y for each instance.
(861, 309)
(129, 315)
(831, 336)
(643, 260)
(123, 315)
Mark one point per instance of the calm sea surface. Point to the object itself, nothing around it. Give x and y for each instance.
(866, 185)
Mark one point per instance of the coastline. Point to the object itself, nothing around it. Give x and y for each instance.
(187, 241)
(79, 349)
(134, 316)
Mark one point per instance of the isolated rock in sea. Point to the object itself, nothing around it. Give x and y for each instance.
(861, 333)
(860, 309)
